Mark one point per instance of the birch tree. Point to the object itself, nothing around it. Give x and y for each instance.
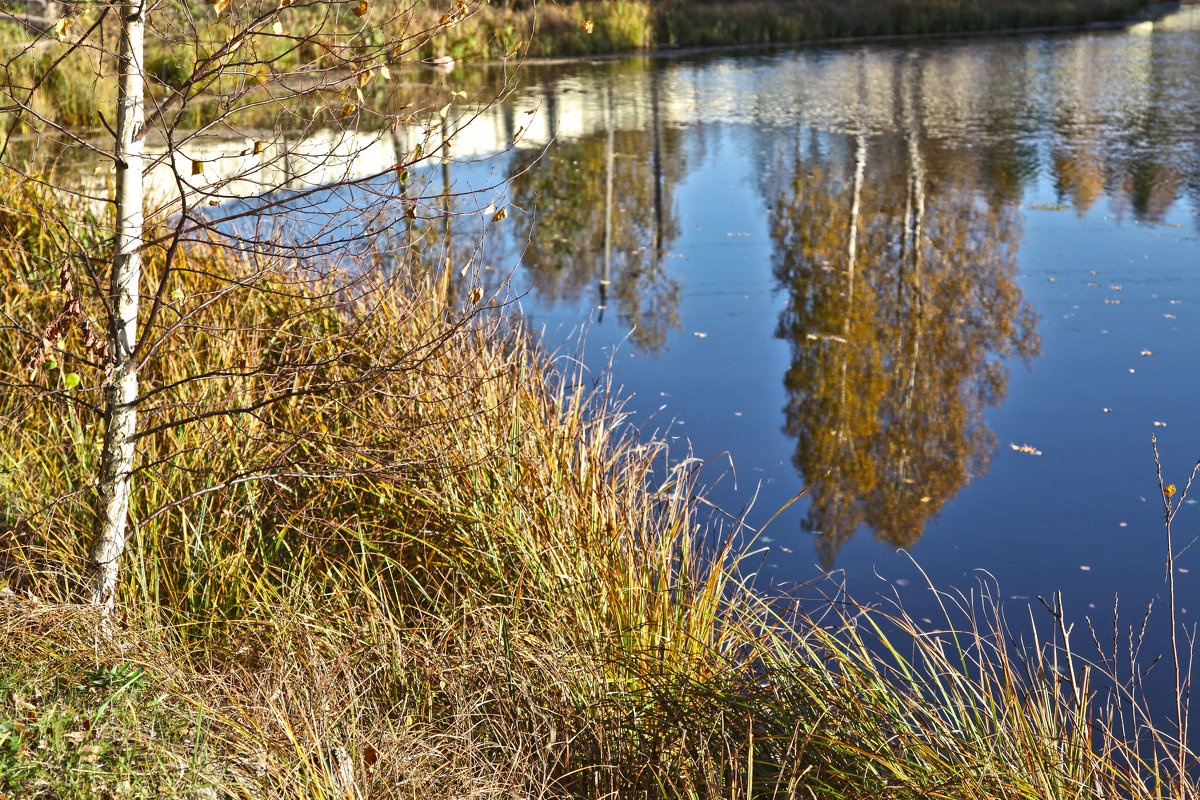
(251, 116)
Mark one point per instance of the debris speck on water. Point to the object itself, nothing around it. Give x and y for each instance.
(1158, 424)
(1147, 353)
(699, 334)
(1106, 410)
(1025, 448)
(1110, 302)
(1085, 568)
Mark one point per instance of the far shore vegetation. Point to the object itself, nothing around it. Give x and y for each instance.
(509, 31)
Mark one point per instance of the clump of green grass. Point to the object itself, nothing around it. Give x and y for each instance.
(437, 563)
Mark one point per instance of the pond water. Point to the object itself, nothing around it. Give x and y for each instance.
(950, 286)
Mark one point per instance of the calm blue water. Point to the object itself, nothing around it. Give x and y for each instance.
(1024, 216)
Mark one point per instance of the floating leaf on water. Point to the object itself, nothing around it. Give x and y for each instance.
(699, 334)
(1123, 525)
(1093, 284)
(1025, 448)
(1169, 316)
(1106, 410)
(1158, 424)
(1147, 353)
(926, 499)
(1111, 302)
(1115, 288)
(1085, 568)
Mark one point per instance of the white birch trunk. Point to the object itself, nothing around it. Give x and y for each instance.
(116, 465)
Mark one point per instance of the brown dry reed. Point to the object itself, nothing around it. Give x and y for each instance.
(386, 546)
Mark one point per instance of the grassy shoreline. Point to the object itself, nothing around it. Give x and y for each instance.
(516, 596)
(81, 86)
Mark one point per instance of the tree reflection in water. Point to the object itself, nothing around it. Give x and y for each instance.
(902, 304)
(584, 234)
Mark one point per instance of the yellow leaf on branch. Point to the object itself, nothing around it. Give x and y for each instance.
(361, 8)
(60, 29)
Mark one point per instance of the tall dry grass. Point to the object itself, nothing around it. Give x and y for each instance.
(386, 546)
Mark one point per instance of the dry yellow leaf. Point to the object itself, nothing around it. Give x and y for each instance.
(61, 27)
(385, 73)
(361, 8)
(500, 215)
(258, 148)
(588, 26)
(277, 28)
(197, 167)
